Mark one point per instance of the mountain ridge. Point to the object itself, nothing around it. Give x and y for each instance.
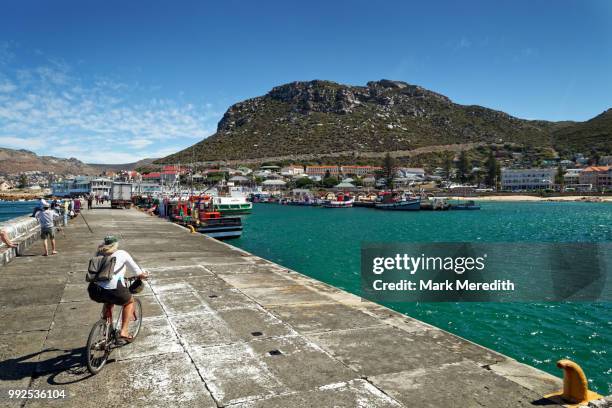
(13, 161)
(323, 117)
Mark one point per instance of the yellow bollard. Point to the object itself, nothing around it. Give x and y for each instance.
(191, 228)
(575, 385)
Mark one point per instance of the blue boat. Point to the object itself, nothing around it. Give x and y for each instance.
(468, 205)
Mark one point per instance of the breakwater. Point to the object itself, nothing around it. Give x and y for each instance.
(325, 244)
(223, 327)
(23, 231)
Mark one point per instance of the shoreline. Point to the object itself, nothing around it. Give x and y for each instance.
(530, 198)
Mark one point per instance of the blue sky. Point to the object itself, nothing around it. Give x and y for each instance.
(116, 81)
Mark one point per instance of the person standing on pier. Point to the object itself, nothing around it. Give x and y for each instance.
(38, 207)
(47, 218)
(65, 212)
(89, 202)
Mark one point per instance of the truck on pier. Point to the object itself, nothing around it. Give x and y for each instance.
(121, 195)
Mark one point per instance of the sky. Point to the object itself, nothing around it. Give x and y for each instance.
(118, 81)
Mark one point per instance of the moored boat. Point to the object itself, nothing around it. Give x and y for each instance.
(435, 204)
(398, 202)
(341, 200)
(363, 200)
(467, 205)
(215, 226)
(232, 205)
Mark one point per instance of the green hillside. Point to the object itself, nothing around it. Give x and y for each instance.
(322, 117)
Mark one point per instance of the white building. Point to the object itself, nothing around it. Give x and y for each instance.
(411, 172)
(273, 185)
(292, 171)
(572, 176)
(76, 186)
(146, 188)
(527, 179)
(101, 187)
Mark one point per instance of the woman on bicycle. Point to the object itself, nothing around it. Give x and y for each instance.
(115, 290)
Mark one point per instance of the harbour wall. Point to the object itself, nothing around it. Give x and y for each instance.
(225, 328)
(23, 231)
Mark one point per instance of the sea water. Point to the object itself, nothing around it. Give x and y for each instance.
(325, 244)
(12, 209)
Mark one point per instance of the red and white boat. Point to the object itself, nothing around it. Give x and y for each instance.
(340, 200)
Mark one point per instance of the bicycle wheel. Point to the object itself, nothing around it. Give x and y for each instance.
(98, 347)
(135, 321)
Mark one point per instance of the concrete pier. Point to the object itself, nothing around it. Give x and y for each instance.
(225, 328)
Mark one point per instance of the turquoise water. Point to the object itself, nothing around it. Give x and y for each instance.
(325, 244)
(12, 209)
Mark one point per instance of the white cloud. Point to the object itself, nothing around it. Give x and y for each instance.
(52, 103)
(7, 86)
(21, 142)
(139, 143)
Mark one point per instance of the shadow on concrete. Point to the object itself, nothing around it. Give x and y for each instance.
(545, 402)
(69, 361)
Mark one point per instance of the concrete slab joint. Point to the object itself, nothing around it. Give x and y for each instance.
(222, 327)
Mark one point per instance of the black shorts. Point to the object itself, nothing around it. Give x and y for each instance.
(47, 233)
(119, 296)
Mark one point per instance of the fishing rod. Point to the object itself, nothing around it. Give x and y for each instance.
(90, 230)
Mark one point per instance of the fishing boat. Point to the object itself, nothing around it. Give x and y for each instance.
(212, 224)
(340, 200)
(364, 200)
(435, 204)
(207, 220)
(398, 202)
(232, 204)
(467, 205)
(198, 213)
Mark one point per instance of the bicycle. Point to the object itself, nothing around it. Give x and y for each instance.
(104, 335)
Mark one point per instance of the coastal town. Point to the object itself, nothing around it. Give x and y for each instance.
(580, 175)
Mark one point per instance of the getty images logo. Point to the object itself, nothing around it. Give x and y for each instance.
(413, 264)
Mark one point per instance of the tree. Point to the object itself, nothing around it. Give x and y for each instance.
(329, 182)
(327, 174)
(303, 182)
(463, 167)
(23, 181)
(388, 170)
(493, 170)
(559, 179)
(448, 166)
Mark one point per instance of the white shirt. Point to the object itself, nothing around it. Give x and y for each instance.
(46, 217)
(122, 261)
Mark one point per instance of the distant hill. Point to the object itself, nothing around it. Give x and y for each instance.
(18, 161)
(126, 166)
(594, 135)
(323, 118)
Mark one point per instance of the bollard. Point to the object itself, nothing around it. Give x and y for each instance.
(191, 228)
(575, 385)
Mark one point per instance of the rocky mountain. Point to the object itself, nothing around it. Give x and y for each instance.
(320, 118)
(18, 161)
